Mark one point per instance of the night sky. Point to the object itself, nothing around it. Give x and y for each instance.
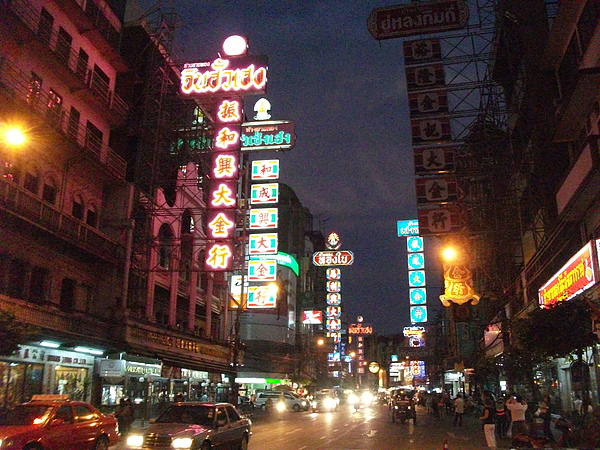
(352, 165)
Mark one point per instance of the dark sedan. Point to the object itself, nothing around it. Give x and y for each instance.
(195, 425)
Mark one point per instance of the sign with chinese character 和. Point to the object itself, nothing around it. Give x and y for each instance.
(265, 170)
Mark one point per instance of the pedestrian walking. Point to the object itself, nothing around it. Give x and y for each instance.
(459, 410)
(124, 415)
(545, 414)
(489, 425)
(435, 406)
(517, 407)
(501, 417)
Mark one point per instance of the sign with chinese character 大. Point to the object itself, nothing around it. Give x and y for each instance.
(262, 244)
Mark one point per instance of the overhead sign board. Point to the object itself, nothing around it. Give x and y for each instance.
(408, 227)
(240, 75)
(417, 18)
(268, 135)
(360, 328)
(333, 258)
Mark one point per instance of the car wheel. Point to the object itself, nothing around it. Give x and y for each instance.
(244, 443)
(296, 408)
(101, 443)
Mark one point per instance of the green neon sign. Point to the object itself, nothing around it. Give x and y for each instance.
(282, 258)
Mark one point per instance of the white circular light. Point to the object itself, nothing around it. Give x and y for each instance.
(235, 46)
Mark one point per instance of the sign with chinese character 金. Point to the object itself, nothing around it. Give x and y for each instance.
(333, 324)
(576, 276)
(333, 258)
(262, 270)
(416, 18)
(417, 296)
(434, 160)
(262, 243)
(264, 193)
(220, 223)
(219, 256)
(241, 75)
(263, 218)
(265, 170)
(223, 194)
(458, 285)
(427, 103)
(262, 297)
(268, 135)
(437, 190)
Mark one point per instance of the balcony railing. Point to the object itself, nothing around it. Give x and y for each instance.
(16, 84)
(33, 209)
(66, 55)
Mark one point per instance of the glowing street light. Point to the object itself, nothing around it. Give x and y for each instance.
(14, 136)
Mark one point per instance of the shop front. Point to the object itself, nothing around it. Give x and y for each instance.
(40, 370)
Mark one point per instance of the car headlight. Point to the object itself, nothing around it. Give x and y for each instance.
(135, 440)
(367, 398)
(329, 403)
(5, 443)
(280, 406)
(353, 398)
(182, 443)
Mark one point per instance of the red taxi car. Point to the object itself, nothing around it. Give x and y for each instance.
(53, 422)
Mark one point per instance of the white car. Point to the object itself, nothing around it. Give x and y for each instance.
(293, 402)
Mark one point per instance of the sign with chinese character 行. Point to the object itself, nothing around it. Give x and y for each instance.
(219, 256)
(262, 297)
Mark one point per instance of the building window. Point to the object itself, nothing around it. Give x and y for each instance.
(93, 138)
(63, 45)
(16, 278)
(45, 26)
(77, 210)
(82, 65)
(38, 285)
(100, 83)
(91, 218)
(73, 127)
(165, 237)
(54, 106)
(34, 90)
(67, 294)
(49, 192)
(31, 181)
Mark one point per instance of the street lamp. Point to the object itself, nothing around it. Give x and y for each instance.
(12, 136)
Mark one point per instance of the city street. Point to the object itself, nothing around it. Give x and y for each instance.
(366, 429)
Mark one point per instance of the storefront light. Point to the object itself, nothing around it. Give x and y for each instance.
(50, 344)
(91, 351)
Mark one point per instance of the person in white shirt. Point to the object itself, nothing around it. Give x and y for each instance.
(517, 407)
(459, 410)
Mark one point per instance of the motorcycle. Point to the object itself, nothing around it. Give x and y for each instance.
(363, 400)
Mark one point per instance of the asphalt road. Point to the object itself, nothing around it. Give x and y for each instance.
(366, 429)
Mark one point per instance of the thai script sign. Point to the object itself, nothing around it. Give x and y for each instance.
(417, 18)
(577, 275)
(413, 331)
(332, 258)
(244, 75)
(271, 135)
(408, 227)
(360, 328)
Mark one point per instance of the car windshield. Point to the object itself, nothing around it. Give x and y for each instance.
(26, 415)
(190, 414)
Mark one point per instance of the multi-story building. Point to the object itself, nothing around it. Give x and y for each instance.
(547, 61)
(61, 255)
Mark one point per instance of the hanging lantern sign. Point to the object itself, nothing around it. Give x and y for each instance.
(262, 270)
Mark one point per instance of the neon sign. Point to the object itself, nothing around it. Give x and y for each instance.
(219, 256)
(359, 328)
(241, 75)
(225, 166)
(220, 224)
(223, 195)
